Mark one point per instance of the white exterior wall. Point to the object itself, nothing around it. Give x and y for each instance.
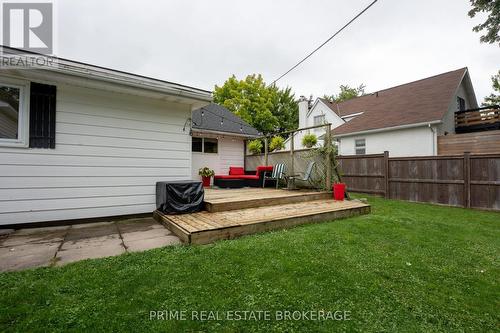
(231, 152)
(111, 149)
(417, 141)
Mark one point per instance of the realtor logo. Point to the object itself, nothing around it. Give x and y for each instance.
(28, 26)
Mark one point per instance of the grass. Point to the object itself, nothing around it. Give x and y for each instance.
(406, 267)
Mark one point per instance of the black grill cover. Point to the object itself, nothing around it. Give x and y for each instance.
(177, 197)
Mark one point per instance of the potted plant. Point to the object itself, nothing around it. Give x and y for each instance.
(277, 143)
(309, 140)
(206, 173)
(255, 146)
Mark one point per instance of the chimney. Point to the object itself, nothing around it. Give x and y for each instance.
(303, 109)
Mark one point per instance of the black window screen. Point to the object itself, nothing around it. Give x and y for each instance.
(42, 116)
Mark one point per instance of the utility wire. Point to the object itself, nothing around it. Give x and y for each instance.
(325, 42)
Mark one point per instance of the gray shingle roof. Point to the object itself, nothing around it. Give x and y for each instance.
(211, 121)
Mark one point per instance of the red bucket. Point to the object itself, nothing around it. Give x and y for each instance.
(339, 191)
(206, 181)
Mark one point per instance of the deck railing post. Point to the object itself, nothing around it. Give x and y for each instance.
(291, 181)
(386, 175)
(467, 179)
(265, 151)
(328, 144)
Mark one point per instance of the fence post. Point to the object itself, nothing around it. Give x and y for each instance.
(386, 175)
(467, 179)
(328, 144)
(291, 182)
(265, 151)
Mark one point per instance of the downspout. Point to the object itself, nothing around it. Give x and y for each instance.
(433, 130)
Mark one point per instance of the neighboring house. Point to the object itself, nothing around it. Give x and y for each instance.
(218, 139)
(82, 141)
(404, 120)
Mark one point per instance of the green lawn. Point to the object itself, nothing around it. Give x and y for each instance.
(406, 267)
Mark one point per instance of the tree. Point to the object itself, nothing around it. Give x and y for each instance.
(266, 108)
(492, 23)
(346, 93)
(494, 99)
(285, 109)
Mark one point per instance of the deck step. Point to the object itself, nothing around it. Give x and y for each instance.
(207, 227)
(225, 200)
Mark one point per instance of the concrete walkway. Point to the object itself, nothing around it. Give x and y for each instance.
(56, 246)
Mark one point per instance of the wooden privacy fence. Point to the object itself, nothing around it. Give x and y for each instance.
(471, 181)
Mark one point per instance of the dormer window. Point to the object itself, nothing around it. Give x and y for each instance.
(461, 104)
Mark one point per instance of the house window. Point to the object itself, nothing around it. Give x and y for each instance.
(210, 146)
(204, 145)
(27, 114)
(197, 145)
(13, 113)
(461, 104)
(319, 120)
(360, 146)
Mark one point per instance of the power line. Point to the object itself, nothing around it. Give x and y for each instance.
(325, 42)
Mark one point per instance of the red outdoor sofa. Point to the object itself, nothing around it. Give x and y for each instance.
(239, 178)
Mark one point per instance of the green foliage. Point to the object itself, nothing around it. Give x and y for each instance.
(266, 108)
(285, 109)
(406, 267)
(346, 93)
(206, 172)
(494, 98)
(255, 146)
(309, 140)
(319, 154)
(277, 143)
(492, 23)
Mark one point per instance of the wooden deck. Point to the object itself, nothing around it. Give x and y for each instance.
(237, 212)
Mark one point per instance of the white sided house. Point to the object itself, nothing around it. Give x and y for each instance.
(218, 139)
(81, 141)
(404, 120)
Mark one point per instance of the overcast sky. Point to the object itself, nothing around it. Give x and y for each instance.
(201, 43)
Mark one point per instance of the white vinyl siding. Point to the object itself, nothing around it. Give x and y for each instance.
(111, 149)
(415, 141)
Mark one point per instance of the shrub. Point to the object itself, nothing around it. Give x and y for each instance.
(309, 140)
(255, 146)
(277, 143)
(206, 172)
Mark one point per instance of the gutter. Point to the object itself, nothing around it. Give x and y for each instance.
(384, 129)
(129, 80)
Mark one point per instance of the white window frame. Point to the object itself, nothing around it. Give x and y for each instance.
(318, 116)
(23, 130)
(356, 147)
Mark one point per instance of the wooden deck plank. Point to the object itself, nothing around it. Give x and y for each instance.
(228, 199)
